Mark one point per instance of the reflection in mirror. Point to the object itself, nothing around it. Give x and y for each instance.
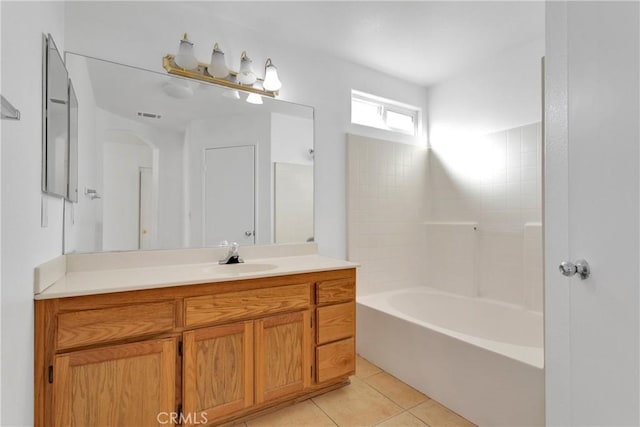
(72, 193)
(165, 162)
(55, 121)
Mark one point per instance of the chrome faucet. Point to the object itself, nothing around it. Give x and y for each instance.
(232, 257)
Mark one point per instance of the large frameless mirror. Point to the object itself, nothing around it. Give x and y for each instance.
(165, 162)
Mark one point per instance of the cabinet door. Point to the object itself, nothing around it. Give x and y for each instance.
(283, 355)
(218, 370)
(120, 385)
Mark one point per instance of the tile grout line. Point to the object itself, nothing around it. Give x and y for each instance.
(324, 412)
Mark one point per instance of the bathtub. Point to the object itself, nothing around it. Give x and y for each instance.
(482, 359)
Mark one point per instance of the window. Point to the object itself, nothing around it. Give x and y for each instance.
(381, 113)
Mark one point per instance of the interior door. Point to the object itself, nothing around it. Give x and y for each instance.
(229, 195)
(592, 212)
(145, 231)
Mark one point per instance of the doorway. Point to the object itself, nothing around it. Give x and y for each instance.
(229, 195)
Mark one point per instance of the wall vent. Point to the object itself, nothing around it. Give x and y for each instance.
(149, 115)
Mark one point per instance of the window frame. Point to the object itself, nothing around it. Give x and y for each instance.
(386, 105)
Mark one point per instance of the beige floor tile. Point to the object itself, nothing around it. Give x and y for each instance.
(405, 419)
(396, 390)
(364, 368)
(302, 414)
(436, 415)
(357, 404)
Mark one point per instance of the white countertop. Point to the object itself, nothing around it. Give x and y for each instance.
(96, 281)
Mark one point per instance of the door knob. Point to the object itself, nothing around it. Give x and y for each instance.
(248, 233)
(569, 269)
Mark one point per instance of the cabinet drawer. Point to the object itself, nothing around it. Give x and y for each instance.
(245, 304)
(333, 291)
(336, 360)
(336, 322)
(82, 328)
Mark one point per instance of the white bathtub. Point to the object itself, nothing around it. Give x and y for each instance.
(480, 358)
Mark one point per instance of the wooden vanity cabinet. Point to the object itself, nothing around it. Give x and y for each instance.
(203, 354)
(217, 374)
(116, 385)
(335, 337)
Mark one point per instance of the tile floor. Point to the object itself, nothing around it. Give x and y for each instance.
(374, 398)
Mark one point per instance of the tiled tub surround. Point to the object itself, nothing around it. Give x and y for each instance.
(493, 183)
(462, 217)
(385, 212)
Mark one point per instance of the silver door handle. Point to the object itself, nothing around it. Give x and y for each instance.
(581, 267)
(248, 233)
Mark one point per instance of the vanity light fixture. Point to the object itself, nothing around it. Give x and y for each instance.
(185, 58)
(254, 98)
(271, 80)
(246, 76)
(232, 93)
(185, 64)
(218, 67)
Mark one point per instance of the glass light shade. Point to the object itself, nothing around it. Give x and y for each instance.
(232, 93)
(246, 75)
(254, 98)
(271, 81)
(185, 57)
(178, 88)
(218, 67)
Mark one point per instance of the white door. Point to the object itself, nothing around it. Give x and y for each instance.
(592, 212)
(229, 195)
(145, 223)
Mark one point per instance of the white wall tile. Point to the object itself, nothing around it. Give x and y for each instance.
(384, 226)
(411, 215)
(507, 195)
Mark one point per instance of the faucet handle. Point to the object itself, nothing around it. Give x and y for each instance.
(233, 247)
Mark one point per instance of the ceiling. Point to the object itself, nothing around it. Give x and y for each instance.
(422, 42)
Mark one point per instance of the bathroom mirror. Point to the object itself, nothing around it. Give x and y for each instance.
(55, 120)
(166, 162)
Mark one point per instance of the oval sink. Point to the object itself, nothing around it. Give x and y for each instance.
(241, 268)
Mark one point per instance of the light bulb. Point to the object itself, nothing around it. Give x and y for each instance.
(218, 67)
(178, 88)
(185, 58)
(271, 81)
(246, 75)
(254, 98)
(232, 93)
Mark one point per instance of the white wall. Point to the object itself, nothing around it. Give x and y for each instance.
(87, 231)
(140, 33)
(123, 158)
(167, 172)
(83, 224)
(498, 93)
(24, 243)
(291, 139)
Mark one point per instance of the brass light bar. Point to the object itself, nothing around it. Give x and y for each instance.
(201, 74)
